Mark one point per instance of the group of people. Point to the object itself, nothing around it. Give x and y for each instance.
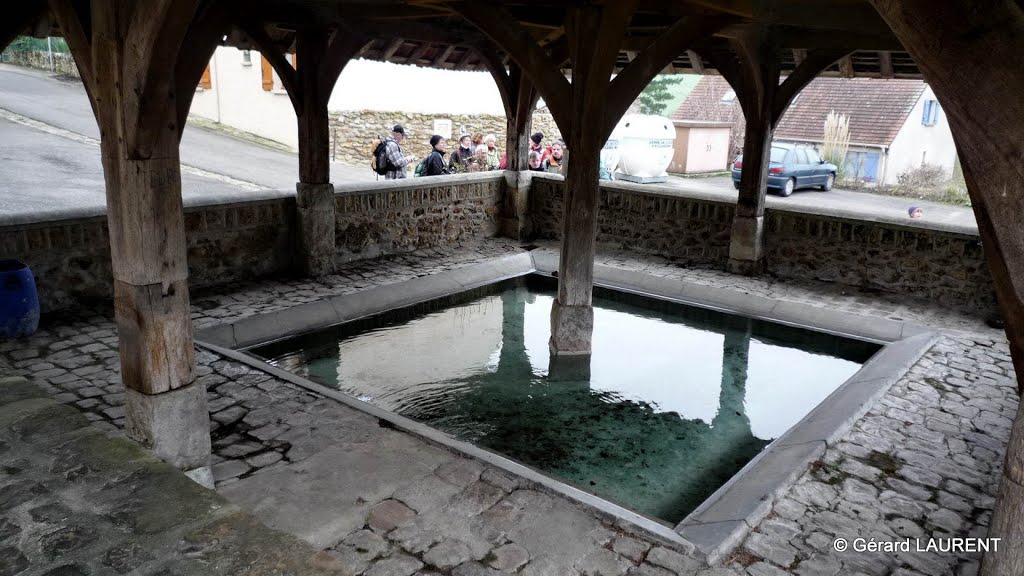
(474, 154)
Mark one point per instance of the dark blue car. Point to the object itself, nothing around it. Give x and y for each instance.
(793, 167)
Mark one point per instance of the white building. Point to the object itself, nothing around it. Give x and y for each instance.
(242, 91)
(896, 125)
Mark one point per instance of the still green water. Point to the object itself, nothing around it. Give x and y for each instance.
(676, 401)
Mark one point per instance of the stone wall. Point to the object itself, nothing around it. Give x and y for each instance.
(63, 63)
(946, 266)
(70, 258)
(694, 230)
(407, 215)
(354, 132)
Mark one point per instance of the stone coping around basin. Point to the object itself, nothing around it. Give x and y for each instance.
(872, 329)
(726, 517)
(281, 324)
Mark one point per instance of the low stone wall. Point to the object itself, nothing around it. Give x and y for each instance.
(406, 215)
(694, 229)
(70, 257)
(62, 63)
(943, 265)
(353, 132)
(228, 242)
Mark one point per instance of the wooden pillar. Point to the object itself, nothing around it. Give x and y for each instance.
(519, 118)
(586, 111)
(960, 47)
(314, 199)
(755, 78)
(321, 58)
(128, 62)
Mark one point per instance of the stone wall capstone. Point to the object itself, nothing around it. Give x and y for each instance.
(943, 266)
(353, 133)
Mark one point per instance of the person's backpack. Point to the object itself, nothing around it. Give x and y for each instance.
(379, 160)
(421, 167)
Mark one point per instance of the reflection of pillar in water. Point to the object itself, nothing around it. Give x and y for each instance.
(731, 419)
(573, 368)
(513, 357)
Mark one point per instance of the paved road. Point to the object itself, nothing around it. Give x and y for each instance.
(72, 162)
(227, 166)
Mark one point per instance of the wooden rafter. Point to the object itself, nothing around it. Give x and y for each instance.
(885, 64)
(695, 61)
(498, 24)
(674, 41)
(442, 56)
(815, 62)
(392, 48)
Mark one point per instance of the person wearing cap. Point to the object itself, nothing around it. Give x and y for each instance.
(463, 154)
(435, 164)
(393, 149)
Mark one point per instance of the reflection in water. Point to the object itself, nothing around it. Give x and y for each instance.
(641, 430)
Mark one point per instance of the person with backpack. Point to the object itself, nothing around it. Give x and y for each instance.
(434, 164)
(389, 160)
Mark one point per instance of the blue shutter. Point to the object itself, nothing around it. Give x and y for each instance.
(927, 112)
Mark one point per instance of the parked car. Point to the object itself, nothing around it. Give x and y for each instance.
(792, 166)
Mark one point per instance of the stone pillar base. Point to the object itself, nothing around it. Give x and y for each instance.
(746, 246)
(174, 425)
(572, 328)
(314, 205)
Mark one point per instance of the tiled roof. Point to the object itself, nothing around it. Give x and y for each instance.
(877, 108)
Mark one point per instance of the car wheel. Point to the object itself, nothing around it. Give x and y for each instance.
(789, 187)
(829, 181)
(736, 184)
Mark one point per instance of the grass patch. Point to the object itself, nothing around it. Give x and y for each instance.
(885, 462)
(831, 474)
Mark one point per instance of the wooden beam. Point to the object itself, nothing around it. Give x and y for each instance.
(885, 64)
(392, 48)
(467, 57)
(17, 18)
(502, 28)
(152, 45)
(695, 61)
(201, 41)
(442, 58)
(274, 54)
(418, 53)
(80, 44)
(798, 55)
(343, 47)
(815, 62)
(502, 78)
(683, 34)
(974, 61)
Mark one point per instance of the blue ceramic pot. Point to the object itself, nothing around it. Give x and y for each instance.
(19, 303)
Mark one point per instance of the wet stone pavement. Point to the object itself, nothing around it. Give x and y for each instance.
(925, 460)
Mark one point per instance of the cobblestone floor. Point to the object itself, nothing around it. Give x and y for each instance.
(924, 461)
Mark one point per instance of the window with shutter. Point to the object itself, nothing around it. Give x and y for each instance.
(205, 82)
(268, 74)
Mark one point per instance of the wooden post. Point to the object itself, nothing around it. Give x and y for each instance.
(959, 47)
(755, 78)
(759, 81)
(314, 197)
(128, 63)
(321, 59)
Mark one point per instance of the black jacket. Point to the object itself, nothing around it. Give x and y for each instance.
(436, 165)
(459, 157)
